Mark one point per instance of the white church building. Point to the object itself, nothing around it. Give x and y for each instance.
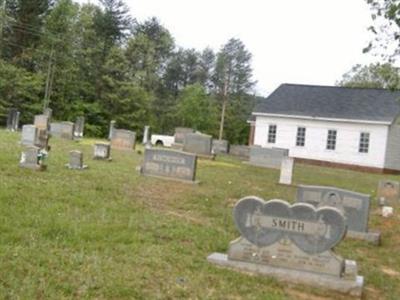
(345, 127)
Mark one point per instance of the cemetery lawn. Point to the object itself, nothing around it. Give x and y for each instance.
(108, 233)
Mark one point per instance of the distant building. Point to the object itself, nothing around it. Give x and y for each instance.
(346, 127)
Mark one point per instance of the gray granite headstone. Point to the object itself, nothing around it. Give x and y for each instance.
(287, 167)
(197, 143)
(111, 129)
(220, 146)
(180, 133)
(102, 151)
(64, 130)
(267, 157)
(146, 135)
(355, 207)
(123, 139)
(171, 164)
(241, 151)
(29, 135)
(13, 120)
(389, 190)
(31, 159)
(79, 127)
(42, 122)
(76, 160)
(293, 243)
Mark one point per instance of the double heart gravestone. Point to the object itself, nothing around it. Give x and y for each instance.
(292, 243)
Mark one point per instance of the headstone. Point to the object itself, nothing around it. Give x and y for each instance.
(111, 130)
(220, 146)
(387, 211)
(293, 243)
(42, 122)
(146, 135)
(355, 207)
(76, 160)
(175, 165)
(48, 112)
(31, 158)
(13, 120)
(123, 139)
(267, 157)
(102, 151)
(287, 167)
(390, 191)
(29, 135)
(180, 133)
(241, 151)
(79, 126)
(199, 144)
(64, 130)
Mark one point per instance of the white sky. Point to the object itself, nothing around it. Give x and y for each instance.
(292, 41)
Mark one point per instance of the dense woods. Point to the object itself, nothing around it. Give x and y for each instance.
(98, 61)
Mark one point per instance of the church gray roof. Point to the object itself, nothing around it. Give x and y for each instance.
(332, 102)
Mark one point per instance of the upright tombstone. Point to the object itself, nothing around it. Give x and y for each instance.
(287, 167)
(267, 157)
(111, 130)
(171, 164)
(200, 144)
(102, 151)
(293, 243)
(64, 130)
(123, 139)
(354, 206)
(29, 135)
(146, 135)
(48, 112)
(13, 120)
(42, 122)
(180, 133)
(76, 160)
(241, 151)
(79, 127)
(389, 190)
(220, 146)
(31, 159)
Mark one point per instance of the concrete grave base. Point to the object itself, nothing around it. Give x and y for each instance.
(372, 237)
(173, 179)
(177, 146)
(202, 156)
(100, 158)
(35, 167)
(76, 168)
(351, 287)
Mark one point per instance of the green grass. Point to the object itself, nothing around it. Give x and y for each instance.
(108, 233)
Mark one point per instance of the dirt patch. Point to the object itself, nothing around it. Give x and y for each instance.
(294, 294)
(390, 272)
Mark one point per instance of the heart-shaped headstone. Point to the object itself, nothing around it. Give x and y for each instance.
(312, 230)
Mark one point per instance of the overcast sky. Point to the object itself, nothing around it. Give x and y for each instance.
(292, 41)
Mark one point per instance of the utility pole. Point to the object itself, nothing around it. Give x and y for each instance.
(49, 80)
(3, 18)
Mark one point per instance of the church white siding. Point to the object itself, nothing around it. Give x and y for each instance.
(316, 134)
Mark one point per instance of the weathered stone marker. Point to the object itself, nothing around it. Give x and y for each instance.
(79, 127)
(13, 120)
(267, 157)
(31, 159)
(180, 133)
(175, 165)
(42, 122)
(111, 130)
(241, 151)
(287, 167)
(48, 112)
(146, 132)
(354, 206)
(102, 151)
(292, 243)
(123, 139)
(220, 146)
(76, 160)
(29, 135)
(390, 191)
(200, 144)
(64, 130)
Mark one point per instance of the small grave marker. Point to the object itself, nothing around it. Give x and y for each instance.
(220, 146)
(79, 127)
(390, 191)
(102, 151)
(31, 158)
(13, 120)
(76, 160)
(287, 167)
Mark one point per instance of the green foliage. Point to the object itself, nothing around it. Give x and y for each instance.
(372, 76)
(197, 110)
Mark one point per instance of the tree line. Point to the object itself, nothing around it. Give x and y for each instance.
(99, 62)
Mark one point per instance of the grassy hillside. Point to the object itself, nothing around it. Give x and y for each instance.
(108, 233)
